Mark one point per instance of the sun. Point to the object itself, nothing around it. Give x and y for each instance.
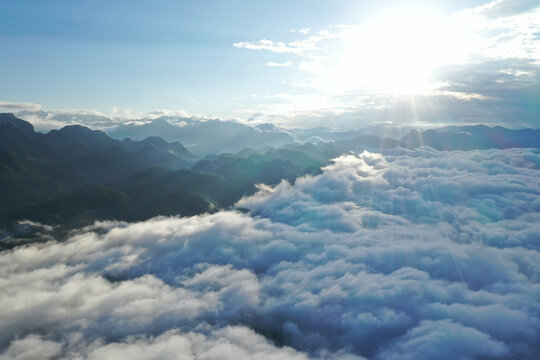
(398, 53)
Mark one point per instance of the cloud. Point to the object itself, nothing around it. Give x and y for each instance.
(512, 108)
(47, 120)
(32, 347)
(304, 31)
(14, 106)
(489, 54)
(498, 8)
(158, 113)
(275, 64)
(227, 343)
(54, 119)
(405, 254)
(265, 44)
(299, 47)
(431, 340)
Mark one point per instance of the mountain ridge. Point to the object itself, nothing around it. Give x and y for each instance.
(54, 177)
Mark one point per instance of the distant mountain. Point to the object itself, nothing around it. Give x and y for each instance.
(449, 138)
(204, 137)
(472, 137)
(158, 144)
(75, 175)
(324, 134)
(388, 131)
(271, 128)
(363, 142)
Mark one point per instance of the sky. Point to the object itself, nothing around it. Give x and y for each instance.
(299, 63)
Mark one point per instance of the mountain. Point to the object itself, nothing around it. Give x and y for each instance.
(21, 182)
(472, 137)
(100, 167)
(388, 130)
(159, 182)
(93, 202)
(272, 166)
(75, 141)
(76, 175)
(271, 128)
(36, 167)
(24, 126)
(18, 136)
(324, 134)
(449, 138)
(158, 144)
(204, 137)
(364, 142)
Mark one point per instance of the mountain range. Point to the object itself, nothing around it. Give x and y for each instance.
(76, 175)
(204, 137)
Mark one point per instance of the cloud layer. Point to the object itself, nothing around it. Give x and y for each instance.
(403, 255)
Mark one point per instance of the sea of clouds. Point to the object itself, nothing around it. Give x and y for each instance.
(403, 255)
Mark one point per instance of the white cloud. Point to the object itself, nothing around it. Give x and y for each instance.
(32, 347)
(264, 44)
(303, 47)
(54, 119)
(499, 8)
(275, 64)
(16, 106)
(511, 35)
(304, 31)
(229, 343)
(406, 254)
(47, 120)
(158, 113)
(436, 340)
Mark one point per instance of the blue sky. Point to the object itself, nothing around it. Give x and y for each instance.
(295, 63)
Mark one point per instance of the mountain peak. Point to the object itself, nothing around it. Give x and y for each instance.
(22, 125)
(162, 121)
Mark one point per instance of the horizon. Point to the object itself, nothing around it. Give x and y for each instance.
(180, 122)
(51, 122)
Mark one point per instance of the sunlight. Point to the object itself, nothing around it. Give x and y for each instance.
(398, 53)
